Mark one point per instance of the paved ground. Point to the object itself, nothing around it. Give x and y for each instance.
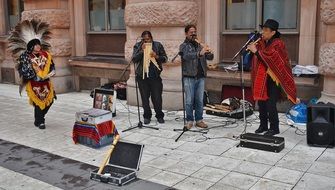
(195, 162)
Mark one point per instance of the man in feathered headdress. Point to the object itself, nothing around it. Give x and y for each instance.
(35, 65)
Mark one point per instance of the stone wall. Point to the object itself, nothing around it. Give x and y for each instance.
(327, 50)
(166, 21)
(61, 45)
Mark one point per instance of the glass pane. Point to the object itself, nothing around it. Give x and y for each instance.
(15, 7)
(284, 11)
(97, 15)
(116, 14)
(241, 14)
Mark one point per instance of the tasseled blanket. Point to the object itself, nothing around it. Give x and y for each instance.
(274, 62)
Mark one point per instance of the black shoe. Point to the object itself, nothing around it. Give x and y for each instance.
(147, 121)
(271, 132)
(36, 125)
(160, 120)
(41, 126)
(261, 130)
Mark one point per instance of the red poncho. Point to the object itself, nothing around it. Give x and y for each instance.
(275, 63)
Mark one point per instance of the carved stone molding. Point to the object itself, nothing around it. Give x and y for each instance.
(61, 47)
(328, 11)
(166, 13)
(56, 18)
(327, 59)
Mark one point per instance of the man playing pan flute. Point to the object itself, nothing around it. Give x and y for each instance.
(149, 56)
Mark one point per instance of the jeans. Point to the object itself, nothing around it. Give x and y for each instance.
(151, 88)
(194, 95)
(268, 109)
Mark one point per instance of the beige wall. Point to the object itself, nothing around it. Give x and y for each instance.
(307, 37)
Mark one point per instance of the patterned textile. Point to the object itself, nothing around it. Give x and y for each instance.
(40, 93)
(95, 132)
(273, 61)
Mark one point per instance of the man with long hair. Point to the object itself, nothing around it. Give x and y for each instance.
(149, 81)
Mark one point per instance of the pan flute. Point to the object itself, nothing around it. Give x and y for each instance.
(147, 59)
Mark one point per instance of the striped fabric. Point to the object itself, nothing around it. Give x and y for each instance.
(95, 132)
(275, 63)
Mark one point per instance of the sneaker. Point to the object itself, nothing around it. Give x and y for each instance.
(189, 125)
(201, 124)
(36, 125)
(41, 126)
(147, 121)
(160, 120)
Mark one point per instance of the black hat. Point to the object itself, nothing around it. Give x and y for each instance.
(270, 23)
(32, 43)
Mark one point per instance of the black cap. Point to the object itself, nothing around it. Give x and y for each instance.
(270, 23)
(32, 43)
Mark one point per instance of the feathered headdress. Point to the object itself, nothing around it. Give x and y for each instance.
(26, 31)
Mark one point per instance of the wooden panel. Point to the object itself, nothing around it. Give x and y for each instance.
(231, 43)
(106, 44)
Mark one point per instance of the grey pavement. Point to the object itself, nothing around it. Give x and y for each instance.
(212, 161)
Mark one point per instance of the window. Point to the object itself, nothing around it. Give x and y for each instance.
(246, 15)
(15, 8)
(284, 11)
(106, 28)
(241, 14)
(106, 15)
(240, 17)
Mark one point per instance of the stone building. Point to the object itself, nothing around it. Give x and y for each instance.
(92, 39)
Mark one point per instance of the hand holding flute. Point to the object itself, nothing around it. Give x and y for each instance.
(252, 46)
(205, 48)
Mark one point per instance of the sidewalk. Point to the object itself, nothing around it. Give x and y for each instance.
(215, 164)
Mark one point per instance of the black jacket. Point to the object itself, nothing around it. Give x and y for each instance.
(189, 53)
(158, 48)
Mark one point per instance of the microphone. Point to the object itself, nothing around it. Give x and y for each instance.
(174, 58)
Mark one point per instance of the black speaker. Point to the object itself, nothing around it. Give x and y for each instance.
(320, 125)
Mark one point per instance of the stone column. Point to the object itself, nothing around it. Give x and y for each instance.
(2, 32)
(308, 14)
(56, 14)
(166, 21)
(327, 51)
(212, 27)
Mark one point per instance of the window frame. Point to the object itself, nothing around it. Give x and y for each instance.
(7, 22)
(106, 31)
(259, 20)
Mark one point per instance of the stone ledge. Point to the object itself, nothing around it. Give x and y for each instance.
(169, 13)
(227, 77)
(98, 62)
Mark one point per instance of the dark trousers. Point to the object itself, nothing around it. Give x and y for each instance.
(151, 88)
(40, 114)
(268, 109)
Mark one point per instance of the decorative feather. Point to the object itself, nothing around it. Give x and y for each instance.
(25, 31)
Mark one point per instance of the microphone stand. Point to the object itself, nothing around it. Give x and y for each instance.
(240, 53)
(184, 113)
(139, 124)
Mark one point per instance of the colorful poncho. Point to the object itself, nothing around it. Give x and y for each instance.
(41, 92)
(272, 60)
